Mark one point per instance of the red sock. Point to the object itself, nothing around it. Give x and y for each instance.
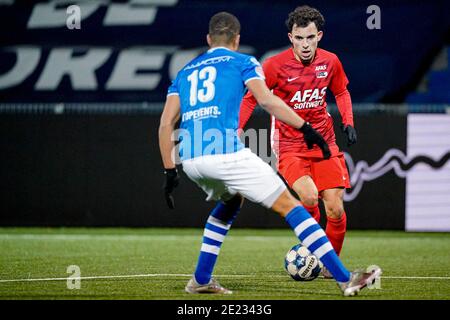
(313, 211)
(335, 231)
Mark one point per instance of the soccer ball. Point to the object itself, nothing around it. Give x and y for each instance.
(301, 264)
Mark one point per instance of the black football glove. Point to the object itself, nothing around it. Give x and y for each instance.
(172, 181)
(313, 137)
(350, 132)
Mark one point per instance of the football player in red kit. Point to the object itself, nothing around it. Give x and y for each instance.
(301, 76)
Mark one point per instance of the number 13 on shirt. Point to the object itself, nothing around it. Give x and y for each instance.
(208, 90)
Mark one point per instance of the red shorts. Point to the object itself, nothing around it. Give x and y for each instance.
(326, 174)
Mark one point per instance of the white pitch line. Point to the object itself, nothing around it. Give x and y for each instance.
(190, 275)
(99, 277)
(86, 237)
(119, 237)
(415, 278)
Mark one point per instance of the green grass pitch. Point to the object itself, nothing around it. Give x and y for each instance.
(156, 264)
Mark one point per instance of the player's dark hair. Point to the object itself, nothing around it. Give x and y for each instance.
(224, 27)
(303, 16)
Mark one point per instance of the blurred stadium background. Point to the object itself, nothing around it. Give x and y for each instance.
(79, 109)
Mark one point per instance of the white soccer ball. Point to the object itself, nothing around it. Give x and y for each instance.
(301, 264)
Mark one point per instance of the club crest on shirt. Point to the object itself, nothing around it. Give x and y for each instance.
(321, 74)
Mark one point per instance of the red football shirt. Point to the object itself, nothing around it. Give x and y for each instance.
(303, 88)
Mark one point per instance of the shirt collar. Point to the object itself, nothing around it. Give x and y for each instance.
(215, 48)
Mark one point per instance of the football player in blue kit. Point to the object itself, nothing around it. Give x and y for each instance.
(206, 95)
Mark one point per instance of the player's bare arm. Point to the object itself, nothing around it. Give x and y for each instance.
(273, 104)
(169, 118)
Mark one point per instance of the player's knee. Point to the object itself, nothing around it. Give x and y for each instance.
(335, 211)
(311, 200)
